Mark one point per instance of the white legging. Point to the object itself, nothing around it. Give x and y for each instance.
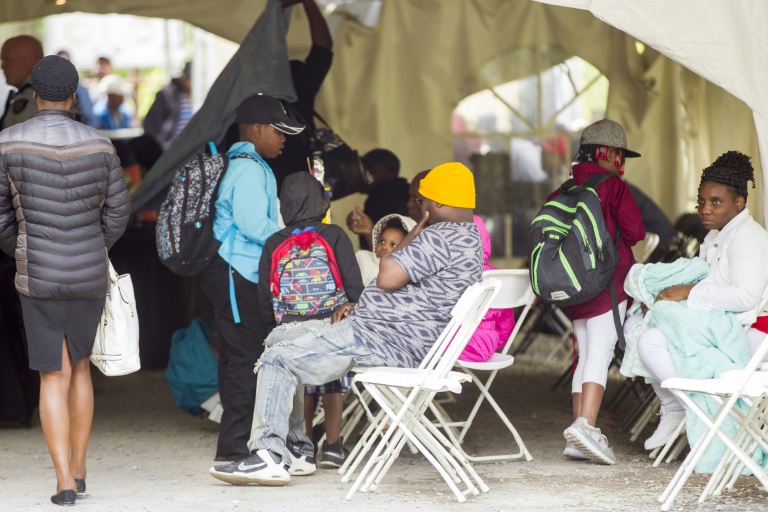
(653, 352)
(596, 338)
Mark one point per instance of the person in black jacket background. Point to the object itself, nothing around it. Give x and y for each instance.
(307, 76)
(388, 194)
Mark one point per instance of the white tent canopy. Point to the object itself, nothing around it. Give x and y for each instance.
(724, 42)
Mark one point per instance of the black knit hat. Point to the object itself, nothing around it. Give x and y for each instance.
(54, 78)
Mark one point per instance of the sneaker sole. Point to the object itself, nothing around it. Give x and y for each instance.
(243, 479)
(574, 437)
(302, 472)
(574, 456)
(332, 460)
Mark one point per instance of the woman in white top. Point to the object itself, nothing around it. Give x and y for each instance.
(736, 249)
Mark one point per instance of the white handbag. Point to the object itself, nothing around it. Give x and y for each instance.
(116, 348)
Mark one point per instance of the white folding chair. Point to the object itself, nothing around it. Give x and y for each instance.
(404, 394)
(726, 392)
(677, 442)
(644, 248)
(515, 291)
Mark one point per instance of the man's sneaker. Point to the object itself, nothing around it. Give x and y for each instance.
(591, 441)
(668, 423)
(572, 452)
(334, 454)
(261, 468)
(301, 465)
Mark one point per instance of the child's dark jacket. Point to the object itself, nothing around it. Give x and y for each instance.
(302, 204)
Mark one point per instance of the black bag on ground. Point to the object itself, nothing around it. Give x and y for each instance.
(184, 232)
(344, 172)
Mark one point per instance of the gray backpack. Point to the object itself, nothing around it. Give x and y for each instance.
(184, 232)
(572, 255)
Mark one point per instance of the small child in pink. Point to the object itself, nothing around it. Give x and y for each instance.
(495, 328)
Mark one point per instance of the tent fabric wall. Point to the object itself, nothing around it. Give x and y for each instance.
(260, 65)
(395, 85)
(723, 42)
(231, 19)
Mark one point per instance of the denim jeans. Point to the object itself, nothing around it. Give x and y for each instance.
(300, 354)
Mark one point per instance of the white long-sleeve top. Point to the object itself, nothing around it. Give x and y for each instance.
(738, 276)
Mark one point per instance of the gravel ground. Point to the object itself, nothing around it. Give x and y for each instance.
(147, 455)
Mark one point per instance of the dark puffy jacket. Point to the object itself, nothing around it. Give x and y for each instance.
(63, 204)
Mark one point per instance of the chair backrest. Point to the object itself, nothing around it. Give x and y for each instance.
(515, 291)
(465, 317)
(643, 249)
(516, 288)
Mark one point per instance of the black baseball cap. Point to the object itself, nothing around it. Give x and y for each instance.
(263, 109)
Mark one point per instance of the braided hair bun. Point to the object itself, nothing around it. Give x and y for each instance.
(732, 169)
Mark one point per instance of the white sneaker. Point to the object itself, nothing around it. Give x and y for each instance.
(668, 423)
(590, 441)
(301, 465)
(262, 468)
(572, 452)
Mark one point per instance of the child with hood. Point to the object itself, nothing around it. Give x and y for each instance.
(303, 204)
(386, 234)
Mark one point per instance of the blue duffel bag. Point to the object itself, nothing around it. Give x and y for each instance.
(192, 372)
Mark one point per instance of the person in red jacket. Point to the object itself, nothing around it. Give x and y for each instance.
(602, 149)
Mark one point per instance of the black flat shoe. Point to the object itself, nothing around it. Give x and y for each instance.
(80, 484)
(65, 497)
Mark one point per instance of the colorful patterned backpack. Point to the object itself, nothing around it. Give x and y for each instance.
(304, 278)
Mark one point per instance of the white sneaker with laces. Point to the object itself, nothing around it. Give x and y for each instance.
(668, 423)
(572, 452)
(590, 441)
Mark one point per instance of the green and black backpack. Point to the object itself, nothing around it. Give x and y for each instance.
(572, 255)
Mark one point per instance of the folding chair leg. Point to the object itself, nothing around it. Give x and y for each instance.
(484, 394)
(713, 430)
(643, 421)
(431, 443)
(457, 452)
(638, 409)
(670, 444)
(382, 461)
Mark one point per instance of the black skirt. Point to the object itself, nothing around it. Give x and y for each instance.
(48, 321)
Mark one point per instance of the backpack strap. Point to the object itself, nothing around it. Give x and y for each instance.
(230, 233)
(593, 182)
(320, 118)
(615, 300)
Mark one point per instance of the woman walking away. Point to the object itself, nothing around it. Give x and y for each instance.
(63, 204)
(603, 149)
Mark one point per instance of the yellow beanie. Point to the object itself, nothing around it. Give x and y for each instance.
(451, 184)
